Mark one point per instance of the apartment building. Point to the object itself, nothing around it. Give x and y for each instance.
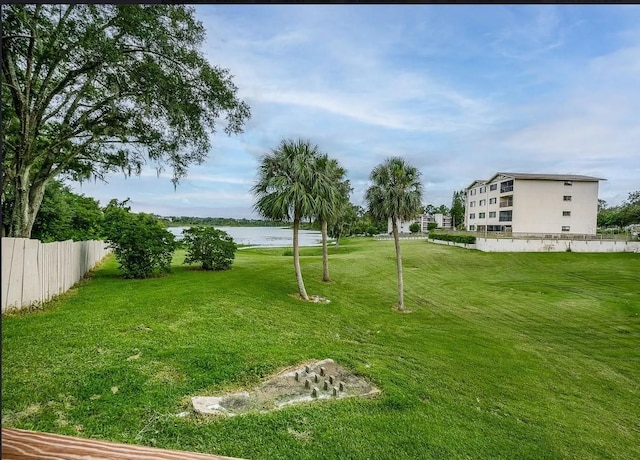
(533, 204)
(424, 220)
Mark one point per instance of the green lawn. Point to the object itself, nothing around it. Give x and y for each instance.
(504, 356)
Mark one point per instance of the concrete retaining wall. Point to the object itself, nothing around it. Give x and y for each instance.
(554, 245)
(34, 272)
(451, 243)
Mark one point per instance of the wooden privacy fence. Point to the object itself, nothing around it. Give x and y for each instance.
(34, 272)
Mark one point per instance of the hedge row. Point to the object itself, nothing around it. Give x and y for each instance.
(466, 239)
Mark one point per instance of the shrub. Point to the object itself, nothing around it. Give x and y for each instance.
(414, 227)
(140, 242)
(213, 248)
(465, 239)
(432, 226)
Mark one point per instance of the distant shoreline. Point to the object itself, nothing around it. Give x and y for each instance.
(231, 222)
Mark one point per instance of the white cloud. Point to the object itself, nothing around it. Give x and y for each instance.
(460, 91)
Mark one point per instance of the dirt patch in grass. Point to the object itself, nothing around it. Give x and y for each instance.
(310, 382)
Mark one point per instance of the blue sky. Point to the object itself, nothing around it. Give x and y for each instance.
(459, 91)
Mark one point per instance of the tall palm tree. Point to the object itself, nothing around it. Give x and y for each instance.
(287, 188)
(332, 190)
(396, 193)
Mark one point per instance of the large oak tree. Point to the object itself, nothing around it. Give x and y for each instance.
(89, 89)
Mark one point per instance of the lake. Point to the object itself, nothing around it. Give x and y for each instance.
(264, 236)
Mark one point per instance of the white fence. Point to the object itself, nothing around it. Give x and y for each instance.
(34, 272)
(545, 245)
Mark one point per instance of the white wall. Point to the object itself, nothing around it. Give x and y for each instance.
(34, 272)
(538, 207)
(554, 245)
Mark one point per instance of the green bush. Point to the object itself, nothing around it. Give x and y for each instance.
(213, 248)
(414, 227)
(432, 226)
(465, 239)
(140, 242)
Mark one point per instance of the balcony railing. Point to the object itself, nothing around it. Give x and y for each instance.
(505, 204)
(507, 188)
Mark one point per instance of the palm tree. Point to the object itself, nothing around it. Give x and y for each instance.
(396, 193)
(287, 187)
(332, 190)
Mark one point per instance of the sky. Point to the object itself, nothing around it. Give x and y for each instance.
(459, 91)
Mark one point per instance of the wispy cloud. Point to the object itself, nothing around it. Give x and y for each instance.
(460, 91)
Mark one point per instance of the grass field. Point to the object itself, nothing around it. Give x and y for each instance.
(504, 356)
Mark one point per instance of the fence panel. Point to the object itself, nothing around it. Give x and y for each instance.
(12, 271)
(35, 272)
(31, 276)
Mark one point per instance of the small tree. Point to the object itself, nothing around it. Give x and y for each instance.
(414, 227)
(213, 248)
(432, 226)
(140, 242)
(396, 193)
(457, 208)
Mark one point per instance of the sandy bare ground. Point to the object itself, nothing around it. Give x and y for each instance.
(310, 382)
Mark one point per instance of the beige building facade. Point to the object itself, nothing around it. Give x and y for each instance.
(533, 204)
(424, 220)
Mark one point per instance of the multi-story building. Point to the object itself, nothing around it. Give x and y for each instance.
(533, 204)
(424, 220)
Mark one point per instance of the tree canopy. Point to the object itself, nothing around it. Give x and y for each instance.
(65, 215)
(620, 216)
(91, 89)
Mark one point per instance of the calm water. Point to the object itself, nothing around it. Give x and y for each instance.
(264, 236)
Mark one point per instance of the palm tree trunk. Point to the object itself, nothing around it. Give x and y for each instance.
(296, 258)
(396, 239)
(325, 253)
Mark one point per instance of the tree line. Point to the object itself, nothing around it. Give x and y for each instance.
(620, 216)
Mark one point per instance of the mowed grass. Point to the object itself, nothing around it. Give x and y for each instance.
(504, 356)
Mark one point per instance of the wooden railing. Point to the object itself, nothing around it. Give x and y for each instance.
(31, 445)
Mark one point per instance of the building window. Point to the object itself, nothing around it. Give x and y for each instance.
(492, 214)
(493, 187)
(481, 215)
(472, 192)
(566, 198)
(472, 215)
(482, 202)
(493, 200)
(568, 183)
(483, 189)
(506, 186)
(472, 204)
(472, 227)
(506, 216)
(566, 228)
(566, 213)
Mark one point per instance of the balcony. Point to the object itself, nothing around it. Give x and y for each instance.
(506, 201)
(506, 188)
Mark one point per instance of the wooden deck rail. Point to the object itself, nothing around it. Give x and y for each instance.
(30, 445)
